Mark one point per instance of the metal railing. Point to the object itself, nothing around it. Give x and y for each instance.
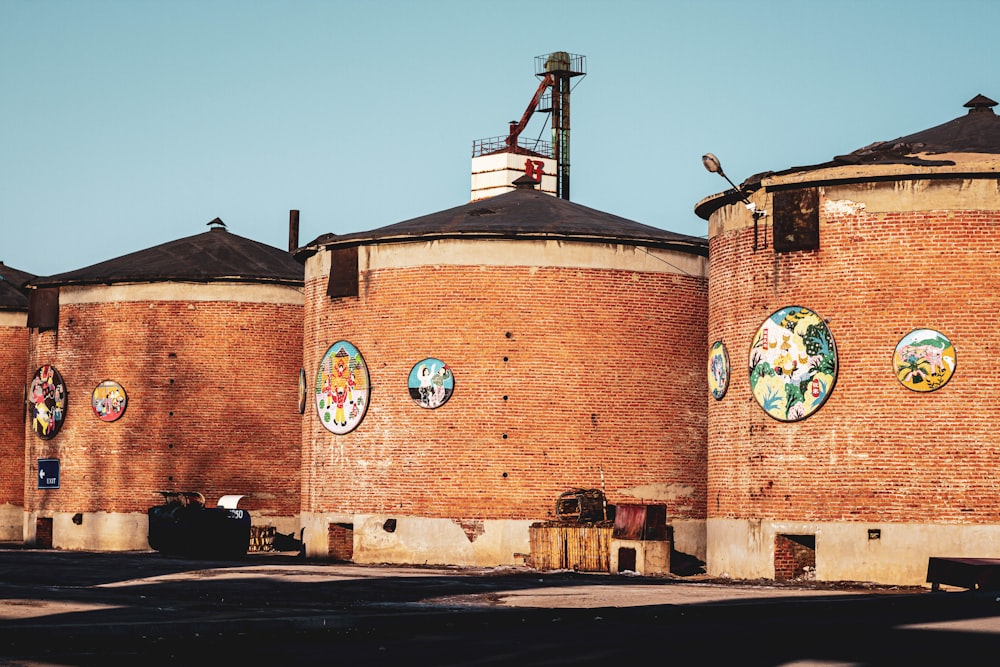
(524, 145)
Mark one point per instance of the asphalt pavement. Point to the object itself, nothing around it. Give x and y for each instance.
(83, 608)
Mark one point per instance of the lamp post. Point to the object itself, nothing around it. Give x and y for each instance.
(713, 165)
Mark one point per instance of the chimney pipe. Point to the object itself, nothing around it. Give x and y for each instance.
(293, 230)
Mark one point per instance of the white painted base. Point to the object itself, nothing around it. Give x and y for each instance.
(689, 537)
(97, 531)
(119, 531)
(420, 540)
(11, 523)
(650, 557)
(423, 541)
(744, 549)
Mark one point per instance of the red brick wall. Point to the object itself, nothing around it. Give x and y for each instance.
(793, 560)
(212, 404)
(876, 450)
(13, 375)
(558, 374)
(340, 541)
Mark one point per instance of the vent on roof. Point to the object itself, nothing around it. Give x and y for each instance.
(980, 104)
(525, 182)
(476, 212)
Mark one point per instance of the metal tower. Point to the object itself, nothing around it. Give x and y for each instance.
(560, 68)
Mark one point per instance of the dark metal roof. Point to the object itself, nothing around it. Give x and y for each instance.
(519, 214)
(12, 293)
(214, 256)
(978, 131)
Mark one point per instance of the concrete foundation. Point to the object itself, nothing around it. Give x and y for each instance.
(92, 531)
(11, 523)
(640, 556)
(887, 553)
(418, 541)
(107, 531)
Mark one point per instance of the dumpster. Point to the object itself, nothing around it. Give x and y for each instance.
(183, 526)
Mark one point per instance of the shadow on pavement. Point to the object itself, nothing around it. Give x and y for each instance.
(276, 610)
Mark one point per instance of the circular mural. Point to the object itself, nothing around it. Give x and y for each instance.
(793, 364)
(718, 369)
(302, 391)
(108, 401)
(342, 387)
(431, 383)
(924, 360)
(47, 401)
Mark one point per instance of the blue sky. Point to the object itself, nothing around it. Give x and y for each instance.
(128, 123)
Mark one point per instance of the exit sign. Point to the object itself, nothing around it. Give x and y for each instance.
(48, 473)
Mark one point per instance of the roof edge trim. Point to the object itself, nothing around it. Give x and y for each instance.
(691, 247)
(111, 280)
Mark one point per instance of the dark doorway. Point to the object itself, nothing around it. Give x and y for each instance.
(43, 533)
(626, 559)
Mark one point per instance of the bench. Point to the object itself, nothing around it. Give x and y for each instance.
(971, 573)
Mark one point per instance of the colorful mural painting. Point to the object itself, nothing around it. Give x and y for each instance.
(924, 360)
(108, 401)
(718, 369)
(47, 400)
(342, 388)
(303, 393)
(431, 383)
(793, 364)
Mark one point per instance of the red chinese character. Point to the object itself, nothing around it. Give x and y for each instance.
(534, 169)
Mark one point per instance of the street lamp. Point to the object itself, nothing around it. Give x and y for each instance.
(713, 165)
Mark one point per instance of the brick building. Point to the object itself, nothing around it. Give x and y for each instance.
(13, 361)
(179, 366)
(849, 444)
(461, 370)
(561, 339)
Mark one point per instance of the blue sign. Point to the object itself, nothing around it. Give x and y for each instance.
(48, 473)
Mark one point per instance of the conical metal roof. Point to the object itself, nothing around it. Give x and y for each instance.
(971, 141)
(214, 256)
(12, 293)
(977, 132)
(518, 214)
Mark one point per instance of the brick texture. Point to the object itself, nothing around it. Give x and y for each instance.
(212, 405)
(559, 374)
(13, 369)
(792, 560)
(876, 450)
(340, 541)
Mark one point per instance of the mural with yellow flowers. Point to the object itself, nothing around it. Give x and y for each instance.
(793, 364)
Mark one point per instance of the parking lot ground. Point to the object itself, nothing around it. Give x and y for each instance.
(82, 608)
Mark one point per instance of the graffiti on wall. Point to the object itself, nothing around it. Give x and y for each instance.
(718, 370)
(793, 364)
(47, 402)
(342, 388)
(108, 401)
(924, 360)
(431, 383)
